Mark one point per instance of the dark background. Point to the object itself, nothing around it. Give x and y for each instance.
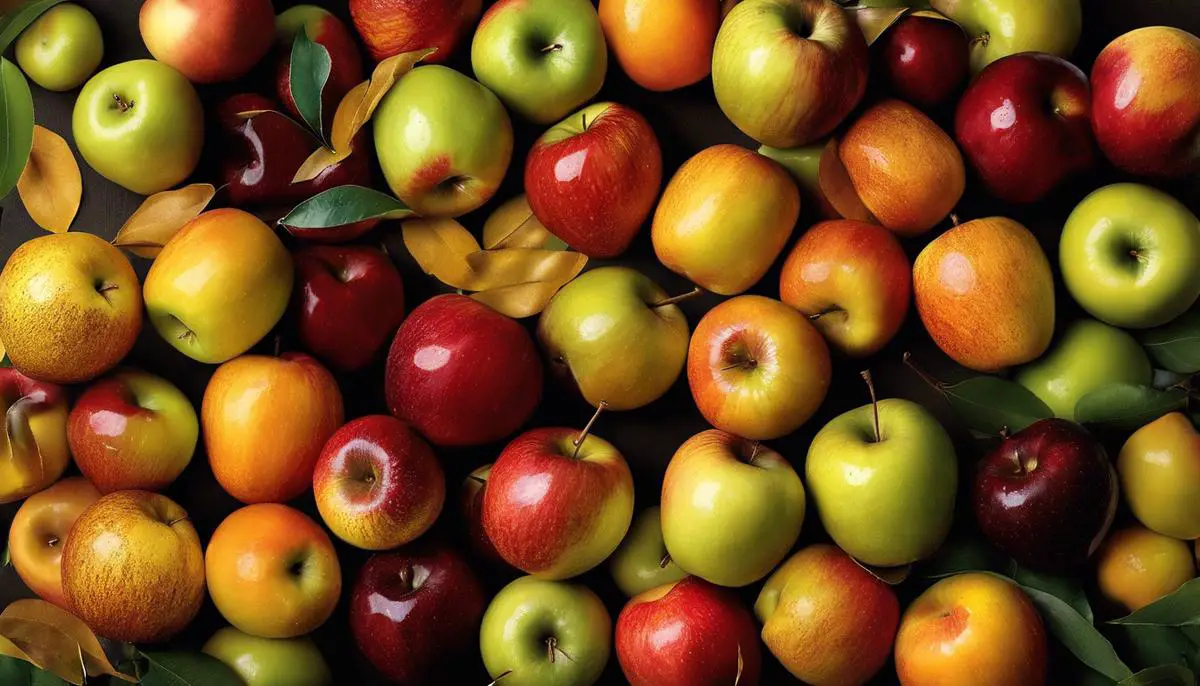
(686, 121)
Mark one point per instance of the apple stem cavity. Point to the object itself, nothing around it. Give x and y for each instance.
(677, 298)
(587, 429)
(177, 520)
(554, 47)
(981, 40)
(866, 375)
(122, 104)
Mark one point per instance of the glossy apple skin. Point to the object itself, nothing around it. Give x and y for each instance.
(1047, 495)
(1136, 566)
(208, 40)
(923, 60)
(471, 508)
(555, 513)
(592, 179)
(641, 562)
(38, 453)
(1159, 467)
(1145, 108)
(390, 27)
(270, 661)
(39, 532)
(350, 300)
(1025, 125)
(61, 48)
(998, 28)
(688, 633)
(661, 45)
(414, 611)
(461, 373)
(326, 30)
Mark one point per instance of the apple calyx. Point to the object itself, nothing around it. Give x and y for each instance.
(587, 429)
(866, 375)
(677, 298)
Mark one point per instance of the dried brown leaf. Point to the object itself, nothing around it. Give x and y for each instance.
(160, 217)
(51, 187)
(54, 640)
(512, 225)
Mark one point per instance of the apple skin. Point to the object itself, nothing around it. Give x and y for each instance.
(724, 217)
(61, 48)
(390, 27)
(950, 633)
(208, 40)
(731, 508)
(923, 61)
(1025, 125)
(471, 507)
(1145, 116)
(443, 140)
(817, 604)
(543, 58)
(637, 565)
(555, 511)
(853, 281)
(270, 661)
(1159, 467)
(661, 45)
(132, 568)
(350, 300)
(461, 373)
(35, 450)
(1125, 255)
(688, 633)
(272, 571)
(1136, 566)
(592, 178)
(378, 485)
(416, 611)
(782, 88)
(326, 30)
(757, 368)
(1046, 496)
(132, 430)
(39, 531)
(1013, 26)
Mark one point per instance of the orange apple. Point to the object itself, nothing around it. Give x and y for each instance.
(1136, 566)
(662, 44)
(208, 40)
(33, 452)
(39, 533)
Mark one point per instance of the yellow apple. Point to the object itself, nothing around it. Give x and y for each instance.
(1159, 468)
(1135, 567)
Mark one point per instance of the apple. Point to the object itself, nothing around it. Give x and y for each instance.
(1089, 355)
(61, 48)
(270, 661)
(661, 44)
(70, 307)
(208, 40)
(1046, 496)
(592, 178)
(557, 502)
(326, 30)
(641, 562)
(470, 500)
(132, 430)
(1025, 125)
(444, 141)
(757, 368)
(985, 294)
(1145, 118)
(544, 58)
(132, 568)
(1159, 467)
(998, 28)
(923, 60)
(803, 163)
(545, 633)
(731, 508)
(586, 329)
(817, 605)
(788, 72)
(389, 28)
(853, 281)
(724, 218)
(1136, 566)
(34, 452)
(272, 571)
(952, 632)
(461, 373)
(219, 286)
(416, 611)
(1126, 256)
(39, 533)
(295, 397)
(377, 483)
(688, 633)
(350, 301)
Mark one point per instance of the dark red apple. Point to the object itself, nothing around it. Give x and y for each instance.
(923, 60)
(1024, 124)
(592, 179)
(325, 29)
(350, 301)
(471, 505)
(462, 373)
(687, 634)
(415, 611)
(1047, 495)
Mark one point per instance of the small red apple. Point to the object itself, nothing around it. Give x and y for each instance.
(923, 60)
(471, 505)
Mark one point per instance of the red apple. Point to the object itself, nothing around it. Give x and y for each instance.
(34, 451)
(592, 179)
(415, 611)
(471, 505)
(390, 27)
(350, 300)
(462, 373)
(688, 633)
(1024, 124)
(208, 40)
(323, 28)
(923, 60)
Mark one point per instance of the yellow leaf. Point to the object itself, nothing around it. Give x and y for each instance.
(250, 114)
(10, 649)
(54, 640)
(50, 186)
(512, 225)
(160, 217)
(511, 266)
(519, 300)
(441, 247)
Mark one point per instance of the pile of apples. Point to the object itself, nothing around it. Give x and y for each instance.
(874, 119)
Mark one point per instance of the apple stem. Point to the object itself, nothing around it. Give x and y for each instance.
(122, 104)
(953, 219)
(177, 520)
(502, 675)
(981, 40)
(278, 344)
(933, 383)
(678, 298)
(556, 47)
(52, 541)
(406, 576)
(666, 560)
(866, 375)
(552, 648)
(587, 429)
(477, 479)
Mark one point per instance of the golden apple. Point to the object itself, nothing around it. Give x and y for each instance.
(39, 533)
(1159, 468)
(1136, 566)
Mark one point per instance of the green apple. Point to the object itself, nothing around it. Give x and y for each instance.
(444, 141)
(545, 633)
(270, 661)
(883, 479)
(731, 508)
(61, 48)
(1089, 355)
(641, 562)
(613, 334)
(803, 163)
(544, 58)
(1003, 27)
(1128, 255)
(140, 125)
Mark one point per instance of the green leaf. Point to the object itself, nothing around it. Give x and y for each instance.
(13, 23)
(1165, 378)
(1065, 589)
(956, 556)
(1177, 609)
(1176, 346)
(1143, 646)
(1078, 635)
(16, 125)
(310, 67)
(14, 672)
(1162, 675)
(344, 205)
(988, 404)
(187, 669)
(1127, 407)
